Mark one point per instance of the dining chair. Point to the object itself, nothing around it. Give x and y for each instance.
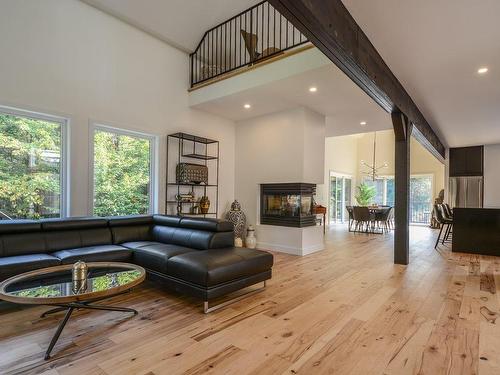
(364, 219)
(382, 218)
(351, 216)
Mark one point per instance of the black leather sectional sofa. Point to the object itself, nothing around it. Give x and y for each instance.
(190, 255)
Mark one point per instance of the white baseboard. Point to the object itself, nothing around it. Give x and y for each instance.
(291, 249)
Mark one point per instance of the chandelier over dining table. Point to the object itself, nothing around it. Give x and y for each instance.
(373, 169)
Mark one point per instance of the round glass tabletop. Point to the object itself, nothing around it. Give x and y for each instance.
(55, 285)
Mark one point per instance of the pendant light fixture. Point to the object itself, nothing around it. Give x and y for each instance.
(373, 170)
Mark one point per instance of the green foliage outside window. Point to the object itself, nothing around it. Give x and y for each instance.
(30, 155)
(121, 174)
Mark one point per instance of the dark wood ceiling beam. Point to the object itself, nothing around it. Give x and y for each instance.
(332, 29)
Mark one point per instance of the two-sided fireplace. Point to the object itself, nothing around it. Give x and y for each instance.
(287, 204)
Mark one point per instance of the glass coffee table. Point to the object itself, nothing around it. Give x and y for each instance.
(54, 286)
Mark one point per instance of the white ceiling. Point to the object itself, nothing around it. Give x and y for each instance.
(181, 23)
(435, 48)
(337, 97)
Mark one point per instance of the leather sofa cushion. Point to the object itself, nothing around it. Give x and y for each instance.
(196, 239)
(23, 244)
(21, 237)
(73, 233)
(74, 223)
(217, 266)
(15, 265)
(103, 253)
(154, 255)
(69, 239)
(19, 226)
(130, 228)
(208, 224)
(167, 220)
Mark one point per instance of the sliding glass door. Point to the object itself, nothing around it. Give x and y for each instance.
(340, 197)
(421, 199)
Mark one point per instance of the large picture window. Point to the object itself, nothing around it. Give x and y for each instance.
(122, 172)
(421, 188)
(32, 165)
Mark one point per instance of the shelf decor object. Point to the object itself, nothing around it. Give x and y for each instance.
(204, 204)
(188, 173)
(192, 176)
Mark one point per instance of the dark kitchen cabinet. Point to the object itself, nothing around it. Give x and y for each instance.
(466, 161)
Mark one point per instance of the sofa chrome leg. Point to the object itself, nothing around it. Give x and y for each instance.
(207, 309)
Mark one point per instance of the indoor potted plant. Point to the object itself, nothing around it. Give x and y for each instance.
(365, 195)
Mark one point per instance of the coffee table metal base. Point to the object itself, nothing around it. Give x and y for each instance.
(69, 307)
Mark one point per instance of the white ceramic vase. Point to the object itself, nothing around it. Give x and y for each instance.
(251, 241)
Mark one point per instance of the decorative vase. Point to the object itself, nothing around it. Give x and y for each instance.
(251, 241)
(79, 276)
(204, 204)
(238, 218)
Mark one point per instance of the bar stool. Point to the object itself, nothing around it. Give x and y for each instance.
(443, 221)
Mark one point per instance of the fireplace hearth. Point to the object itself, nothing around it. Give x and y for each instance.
(287, 204)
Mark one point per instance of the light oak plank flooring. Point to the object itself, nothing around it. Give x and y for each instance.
(345, 310)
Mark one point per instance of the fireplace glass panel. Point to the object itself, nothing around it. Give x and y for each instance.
(287, 204)
(291, 205)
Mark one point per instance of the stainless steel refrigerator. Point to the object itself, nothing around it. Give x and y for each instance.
(466, 192)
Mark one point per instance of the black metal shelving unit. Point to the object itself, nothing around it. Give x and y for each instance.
(193, 149)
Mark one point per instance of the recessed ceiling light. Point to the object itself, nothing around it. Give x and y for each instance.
(247, 106)
(482, 70)
(313, 89)
(362, 123)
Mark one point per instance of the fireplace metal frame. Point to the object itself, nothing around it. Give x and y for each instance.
(300, 188)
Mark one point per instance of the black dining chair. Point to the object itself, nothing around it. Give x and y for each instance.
(351, 216)
(364, 219)
(444, 222)
(382, 217)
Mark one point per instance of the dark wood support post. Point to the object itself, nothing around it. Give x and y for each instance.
(402, 131)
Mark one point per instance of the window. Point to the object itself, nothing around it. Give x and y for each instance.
(32, 165)
(340, 197)
(123, 165)
(421, 187)
(384, 187)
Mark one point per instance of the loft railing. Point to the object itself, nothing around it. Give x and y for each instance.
(250, 37)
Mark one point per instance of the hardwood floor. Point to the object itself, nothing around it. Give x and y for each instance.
(345, 310)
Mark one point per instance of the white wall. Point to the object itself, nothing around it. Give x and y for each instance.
(272, 148)
(341, 156)
(286, 146)
(492, 176)
(64, 57)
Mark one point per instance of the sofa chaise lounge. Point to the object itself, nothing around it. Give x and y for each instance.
(190, 255)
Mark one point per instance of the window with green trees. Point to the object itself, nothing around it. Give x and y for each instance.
(30, 166)
(122, 173)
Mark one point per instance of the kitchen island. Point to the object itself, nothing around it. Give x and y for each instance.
(476, 230)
